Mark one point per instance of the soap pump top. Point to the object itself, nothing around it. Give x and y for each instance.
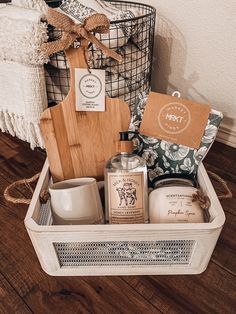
(124, 145)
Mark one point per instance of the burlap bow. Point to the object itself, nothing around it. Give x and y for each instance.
(96, 23)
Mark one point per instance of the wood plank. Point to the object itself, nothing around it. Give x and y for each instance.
(22, 163)
(31, 290)
(10, 300)
(49, 137)
(34, 286)
(225, 252)
(79, 143)
(222, 157)
(9, 141)
(7, 152)
(18, 261)
(229, 205)
(214, 291)
(45, 294)
(90, 295)
(221, 160)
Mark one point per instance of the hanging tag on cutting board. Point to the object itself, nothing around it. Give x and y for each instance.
(78, 144)
(90, 89)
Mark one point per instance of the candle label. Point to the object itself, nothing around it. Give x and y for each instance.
(173, 204)
(126, 198)
(90, 90)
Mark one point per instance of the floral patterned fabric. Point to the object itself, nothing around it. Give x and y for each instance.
(163, 157)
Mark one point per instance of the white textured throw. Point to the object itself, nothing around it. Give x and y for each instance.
(22, 82)
(23, 99)
(21, 34)
(39, 5)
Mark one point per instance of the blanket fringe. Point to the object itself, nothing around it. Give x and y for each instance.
(25, 130)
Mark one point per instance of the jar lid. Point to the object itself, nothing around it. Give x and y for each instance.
(174, 179)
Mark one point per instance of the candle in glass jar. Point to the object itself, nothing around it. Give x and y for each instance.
(171, 201)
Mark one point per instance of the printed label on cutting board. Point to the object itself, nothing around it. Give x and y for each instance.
(175, 120)
(90, 90)
(126, 198)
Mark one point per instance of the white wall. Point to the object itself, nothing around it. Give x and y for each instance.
(195, 53)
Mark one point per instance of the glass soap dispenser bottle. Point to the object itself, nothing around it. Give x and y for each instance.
(126, 187)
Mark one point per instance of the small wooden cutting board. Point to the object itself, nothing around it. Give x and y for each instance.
(78, 144)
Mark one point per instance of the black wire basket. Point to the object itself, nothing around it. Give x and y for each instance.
(133, 38)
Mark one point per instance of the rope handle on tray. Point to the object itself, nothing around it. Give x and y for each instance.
(216, 177)
(44, 195)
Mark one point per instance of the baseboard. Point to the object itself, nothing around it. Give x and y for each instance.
(227, 136)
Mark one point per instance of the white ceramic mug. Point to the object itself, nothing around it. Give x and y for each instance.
(76, 201)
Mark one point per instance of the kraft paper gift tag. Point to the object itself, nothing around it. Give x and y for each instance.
(164, 156)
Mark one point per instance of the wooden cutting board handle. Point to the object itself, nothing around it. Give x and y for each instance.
(79, 143)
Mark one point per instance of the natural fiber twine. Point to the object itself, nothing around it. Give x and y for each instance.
(216, 177)
(16, 184)
(200, 197)
(96, 23)
(204, 203)
(44, 195)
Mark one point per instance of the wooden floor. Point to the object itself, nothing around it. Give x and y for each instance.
(25, 288)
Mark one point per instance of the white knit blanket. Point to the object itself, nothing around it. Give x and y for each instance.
(22, 81)
(39, 5)
(23, 99)
(21, 34)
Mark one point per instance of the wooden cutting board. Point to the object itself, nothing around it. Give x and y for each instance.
(79, 143)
